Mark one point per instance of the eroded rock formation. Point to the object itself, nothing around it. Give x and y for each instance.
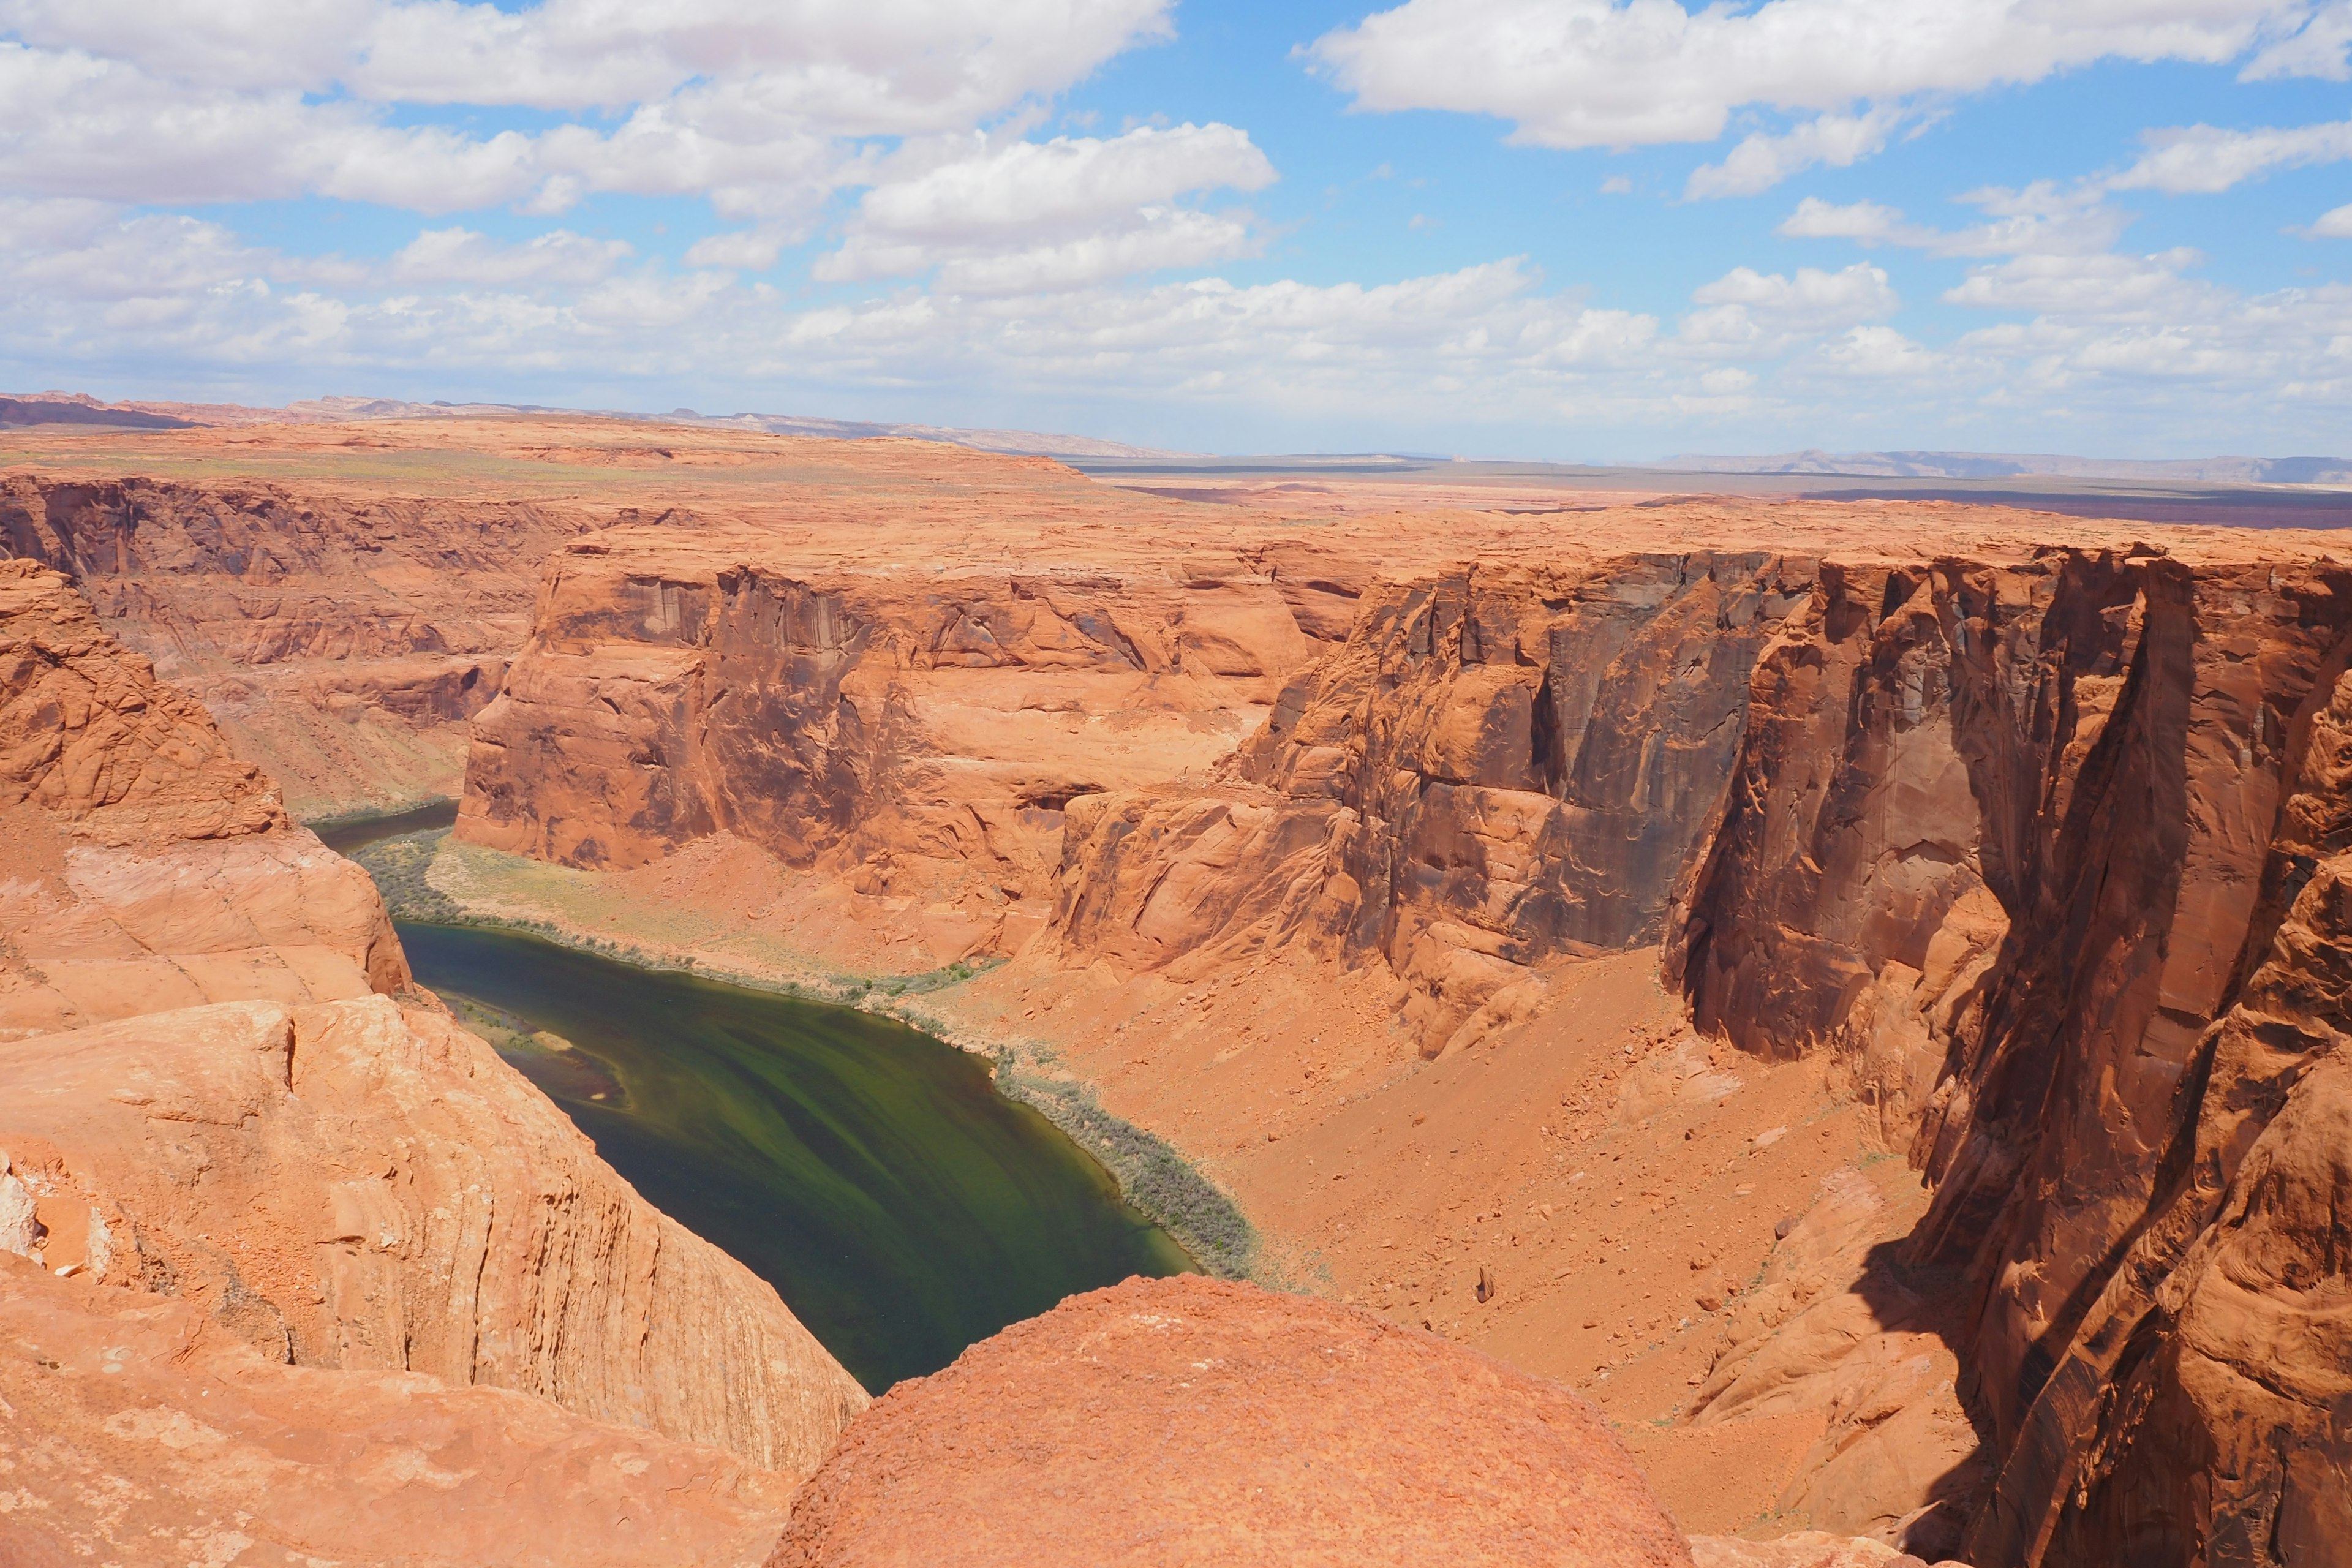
(341, 640)
(1188, 1420)
(1999, 836)
(2044, 853)
(315, 1162)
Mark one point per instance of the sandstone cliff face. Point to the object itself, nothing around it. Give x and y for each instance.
(141, 1431)
(314, 1160)
(148, 867)
(1498, 765)
(342, 641)
(363, 1187)
(2011, 843)
(921, 731)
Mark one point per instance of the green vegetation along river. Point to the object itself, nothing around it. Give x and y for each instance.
(901, 1207)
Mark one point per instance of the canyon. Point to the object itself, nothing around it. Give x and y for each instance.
(1850, 987)
(280, 1234)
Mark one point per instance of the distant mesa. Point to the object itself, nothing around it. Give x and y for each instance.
(2012, 465)
(74, 408)
(79, 409)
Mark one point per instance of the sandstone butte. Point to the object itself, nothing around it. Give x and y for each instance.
(293, 1268)
(1852, 987)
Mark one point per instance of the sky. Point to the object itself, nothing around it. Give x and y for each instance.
(1580, 230)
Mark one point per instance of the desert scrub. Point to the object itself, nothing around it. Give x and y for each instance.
(1159, 1182)
(398, 866)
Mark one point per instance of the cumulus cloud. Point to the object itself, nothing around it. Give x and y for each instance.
(1027, 216)
(1622, 73)
(2041, 218)
(1763, 161)
(2205, 160)
(1602, 73)
(750, 106)
(2333, 225)
(462, 256)
(1746, 312)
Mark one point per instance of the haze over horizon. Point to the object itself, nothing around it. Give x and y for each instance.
(1584, 231)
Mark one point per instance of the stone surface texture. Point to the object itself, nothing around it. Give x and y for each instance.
(141, 1430)
(239, 1149)
(2044, 855)
(1186, 1420)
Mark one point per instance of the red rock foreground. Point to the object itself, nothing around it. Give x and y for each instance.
(1193, 1421)
(1188, 1420)
(293, 1268)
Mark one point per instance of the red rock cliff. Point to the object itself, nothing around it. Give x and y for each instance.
(220, 1090)
(342, 640)
(2044, 854)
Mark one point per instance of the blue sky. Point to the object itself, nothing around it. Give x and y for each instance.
(1579, 229)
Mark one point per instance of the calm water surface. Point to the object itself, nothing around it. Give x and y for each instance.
(900, 1206)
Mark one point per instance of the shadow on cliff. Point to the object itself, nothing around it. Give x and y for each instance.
(1909, 1296)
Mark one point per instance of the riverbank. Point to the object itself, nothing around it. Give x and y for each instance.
(427, 877)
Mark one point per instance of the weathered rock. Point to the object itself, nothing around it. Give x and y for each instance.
(358, 1185)
(341, 638)
(914, 727)
(2009, 842)
(340, 1180)
(140, 1431)
(1499, 765)
(148, 867)
(1190, 1421)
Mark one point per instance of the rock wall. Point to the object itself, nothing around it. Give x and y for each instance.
(2011, 843)
(921, 730)
(1498, 766)
(2015, 840)
(222, 1089)
(340, 641)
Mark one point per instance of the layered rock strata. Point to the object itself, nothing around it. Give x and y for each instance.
(312, 1160)
(2004, 838)
(2044, 855)
(342, 640)
(141, 1430)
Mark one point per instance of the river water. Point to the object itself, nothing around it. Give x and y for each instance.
(901, 1207)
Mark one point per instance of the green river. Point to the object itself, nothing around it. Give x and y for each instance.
(901, 1207)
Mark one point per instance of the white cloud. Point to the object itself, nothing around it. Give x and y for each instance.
(1027, 216)
(2039, 219)
(1875, 352)
(1756, 315)
(462, 256)
(1617, 73)
(2318, 48)
(753, 107)
(1763, 161)
(2333, 225)
(2204, 159)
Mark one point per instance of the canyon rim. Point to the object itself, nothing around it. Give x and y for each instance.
(1823, 1011)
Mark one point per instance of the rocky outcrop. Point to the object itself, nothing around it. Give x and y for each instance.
(1188, 1420)
(140, 1430)
(315, 1160)
(363, 1187)
(1498, 766)
(921, 732)
(342, 640)
(2002, 835)
(149, 867)
(2041, 852)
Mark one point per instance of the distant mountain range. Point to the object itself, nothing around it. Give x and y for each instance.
(79, 409)
(2012, 465)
